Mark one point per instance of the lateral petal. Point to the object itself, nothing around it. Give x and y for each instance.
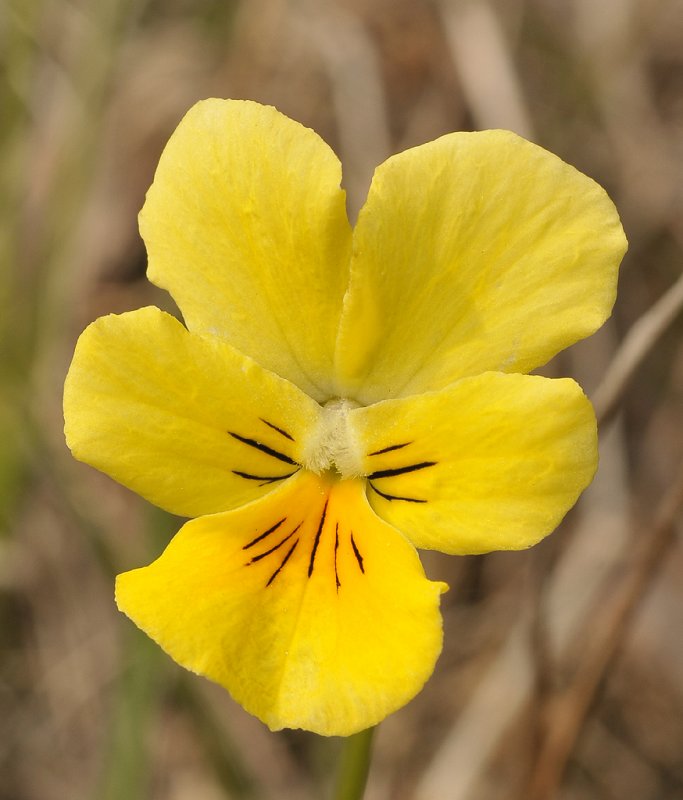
(492, 462)
(245, 225)
(475, 252)
(308, 608)
(180, 418)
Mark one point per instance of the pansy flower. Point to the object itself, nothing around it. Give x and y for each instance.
(337, 398)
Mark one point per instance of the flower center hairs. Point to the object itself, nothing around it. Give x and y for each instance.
(297, 583)
(333, 446)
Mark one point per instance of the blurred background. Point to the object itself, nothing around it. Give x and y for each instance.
(562, 673)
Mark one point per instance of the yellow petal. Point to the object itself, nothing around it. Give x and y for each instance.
(246, 227)
(491, 463)
(183, 419)
(309, 609)
(479, 251)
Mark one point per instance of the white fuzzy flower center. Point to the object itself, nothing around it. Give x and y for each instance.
(333, 444)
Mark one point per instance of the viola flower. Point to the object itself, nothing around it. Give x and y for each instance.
(338, 398)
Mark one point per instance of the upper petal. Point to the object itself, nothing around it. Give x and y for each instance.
(307, 607)
(181, 418)
(478, 251)
(245, 225)
(493, 462)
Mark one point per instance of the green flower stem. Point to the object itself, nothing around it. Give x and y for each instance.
(354, 766)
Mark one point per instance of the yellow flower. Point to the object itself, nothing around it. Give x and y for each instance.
(339, 398)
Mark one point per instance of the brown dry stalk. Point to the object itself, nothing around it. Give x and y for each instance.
(597, 647)
(641, 338)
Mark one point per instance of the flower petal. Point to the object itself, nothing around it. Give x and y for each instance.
(491, 463)
(245, 225)
(309, 609)
(183, 419)
(479, 251)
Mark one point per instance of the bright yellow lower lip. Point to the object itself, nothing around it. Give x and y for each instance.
(311, 610)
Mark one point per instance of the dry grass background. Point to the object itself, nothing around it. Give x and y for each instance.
(562, 674)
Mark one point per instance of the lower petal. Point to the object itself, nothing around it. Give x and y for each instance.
(308, 608)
